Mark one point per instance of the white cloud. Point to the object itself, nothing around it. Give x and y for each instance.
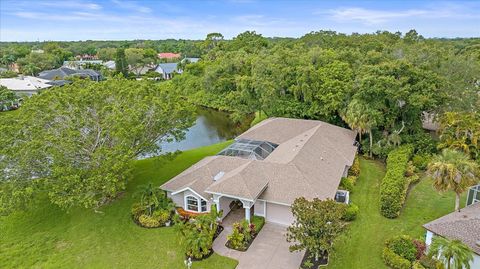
(130, 5)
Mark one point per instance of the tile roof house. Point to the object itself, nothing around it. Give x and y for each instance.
(267, 168)
(463, 225)
(168, 55)
(63, 72)
(25, 85)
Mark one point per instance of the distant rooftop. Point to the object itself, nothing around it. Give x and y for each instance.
(168, 55)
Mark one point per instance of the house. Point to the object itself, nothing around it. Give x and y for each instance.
(64, 72)
(86, 57)
(110, 65)
(190, 60)
(168, 55)
(25, 85)
(167, 70)
(81, 63)
(267, 168)
(463, 225)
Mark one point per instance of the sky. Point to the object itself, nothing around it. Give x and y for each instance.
(39, 20)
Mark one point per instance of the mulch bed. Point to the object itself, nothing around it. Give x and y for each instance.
(247, 245)
(140, 225)
(322, 261)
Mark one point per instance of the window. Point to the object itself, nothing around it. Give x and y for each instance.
(192, 203)
(204, 205)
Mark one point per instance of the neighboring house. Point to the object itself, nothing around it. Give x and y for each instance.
(463, 225)
(25, 85)
(167, 70)
(110, 65)
(168, 55)
(63, 72)
(80, 64)
(191, 60)
(267, 168)
(86, 57)
(429, 121)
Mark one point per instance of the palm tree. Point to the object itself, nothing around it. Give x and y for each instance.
(149, 196)
(452, 253)
(453, 170)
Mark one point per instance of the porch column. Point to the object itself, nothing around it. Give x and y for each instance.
(247, 205)
(216, 200)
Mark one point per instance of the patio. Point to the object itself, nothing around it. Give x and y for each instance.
(268, 251)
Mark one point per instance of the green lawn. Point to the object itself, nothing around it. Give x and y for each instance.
(46, 237)
(362, 245)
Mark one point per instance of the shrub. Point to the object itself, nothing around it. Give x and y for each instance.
(395, 261)
(394, 185)
(421, 247)
(351, 212)
(347, 184)
(148, 221)
(417, 265)
(420, 161)
(355, 169)
(258, 222)
(237, 239)
(137, 210)
(428, 262)
(403, 246)
(162, 216)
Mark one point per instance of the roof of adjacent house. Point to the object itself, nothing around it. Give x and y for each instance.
(309, 161)
(25, 83)
(166, 68)
(190, 59)
(463, 225)
(62, 72)
(168, 55)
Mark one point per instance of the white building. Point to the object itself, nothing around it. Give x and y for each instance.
(25, 85)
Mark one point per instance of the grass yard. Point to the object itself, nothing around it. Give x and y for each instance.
(46, 237)
(362, 245)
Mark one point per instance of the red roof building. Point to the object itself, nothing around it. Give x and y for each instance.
(168, 55)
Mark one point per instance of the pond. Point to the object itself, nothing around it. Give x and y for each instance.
(210, 127)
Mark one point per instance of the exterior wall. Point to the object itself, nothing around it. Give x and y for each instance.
(178, 199)
(345, 172)
(259, 208)
(224, 205)
(279, 214)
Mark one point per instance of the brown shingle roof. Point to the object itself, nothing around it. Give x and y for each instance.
(463, 225)
(309, 162)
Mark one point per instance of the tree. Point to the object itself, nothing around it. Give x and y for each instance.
(149, 196)
(212, 41)
(139, 59)
(7, 98)
(461, 131)
(317, 224)
(106, 54)
(452, 253)
(77, 143)
(36, 62)
(453, 170)
(121, 65)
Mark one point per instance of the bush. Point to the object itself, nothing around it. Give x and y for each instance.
(417, 265)
(421, 247)
(428, 262)
(355, 169)
(394, 185)
(137, 210)
(237, 239)
(395, 261)
(162, 216)
(403, 246)
(420, 161)
(258, 222)
(351, 212)
(347, 183)
(148, 221)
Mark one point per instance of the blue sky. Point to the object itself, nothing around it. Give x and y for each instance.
(33, 20)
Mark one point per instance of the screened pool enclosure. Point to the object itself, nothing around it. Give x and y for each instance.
(473, 195)
(249, 149)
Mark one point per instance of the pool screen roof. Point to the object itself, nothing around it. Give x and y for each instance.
(249, 149)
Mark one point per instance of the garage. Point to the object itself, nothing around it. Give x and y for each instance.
(280, 214)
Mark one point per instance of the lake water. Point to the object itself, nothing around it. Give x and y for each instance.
(211, 127)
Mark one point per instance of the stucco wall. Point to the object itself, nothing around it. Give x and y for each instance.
(279, 214)
(224, 205)
(259, 208)
(179, 199)
(476, 258)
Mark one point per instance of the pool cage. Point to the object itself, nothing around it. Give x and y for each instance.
(473, 195)
(249, 149)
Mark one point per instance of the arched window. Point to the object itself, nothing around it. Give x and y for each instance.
(192, 203)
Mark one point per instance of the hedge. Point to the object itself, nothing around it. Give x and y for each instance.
(394, 261)
(394, 185)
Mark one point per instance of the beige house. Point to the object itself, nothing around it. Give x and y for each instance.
(267, 167)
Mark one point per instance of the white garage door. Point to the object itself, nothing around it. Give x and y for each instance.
(280, 214)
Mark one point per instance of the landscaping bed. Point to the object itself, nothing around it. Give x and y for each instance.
(243, 234)
(309, 261)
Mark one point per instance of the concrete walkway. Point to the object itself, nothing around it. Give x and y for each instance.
(268, 251)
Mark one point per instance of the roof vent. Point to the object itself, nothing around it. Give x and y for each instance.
(218, 176)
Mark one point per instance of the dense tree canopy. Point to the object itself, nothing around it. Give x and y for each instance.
(76, 143)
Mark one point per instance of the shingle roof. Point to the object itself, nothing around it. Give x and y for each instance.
(463, 225)
(168, 55)
(309, 161)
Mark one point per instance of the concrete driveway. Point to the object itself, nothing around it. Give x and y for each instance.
(268, 251)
